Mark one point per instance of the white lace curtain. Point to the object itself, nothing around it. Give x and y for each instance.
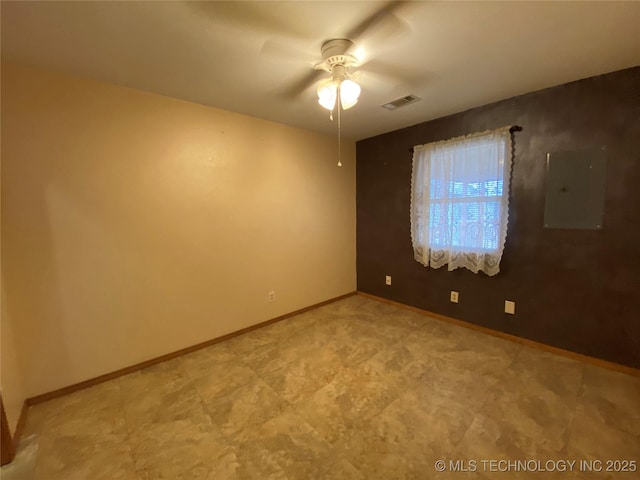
(460, 201)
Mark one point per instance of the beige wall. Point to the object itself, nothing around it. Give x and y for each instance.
(134, 225)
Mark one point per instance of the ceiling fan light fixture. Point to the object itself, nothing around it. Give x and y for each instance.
(349, 93)
(327, 92)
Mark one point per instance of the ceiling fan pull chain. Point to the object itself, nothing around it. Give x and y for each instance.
(339, 126)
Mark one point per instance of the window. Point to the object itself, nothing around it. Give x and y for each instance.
(460, 201)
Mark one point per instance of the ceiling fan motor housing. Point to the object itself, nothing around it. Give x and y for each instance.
(335, 58)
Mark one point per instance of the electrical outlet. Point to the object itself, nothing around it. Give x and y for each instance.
(388, 280)
(509, 307)
(272, 296)
(454, 296)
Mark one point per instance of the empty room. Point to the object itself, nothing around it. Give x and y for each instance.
(320, 240)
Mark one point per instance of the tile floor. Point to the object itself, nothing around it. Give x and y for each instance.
(357, 389)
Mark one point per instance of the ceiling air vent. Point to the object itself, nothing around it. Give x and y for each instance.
(401, 102)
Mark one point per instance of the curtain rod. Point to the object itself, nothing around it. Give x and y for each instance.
(515, 128)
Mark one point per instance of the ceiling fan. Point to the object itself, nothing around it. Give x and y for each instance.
(376, 29)
(341, 62)
(340, 58)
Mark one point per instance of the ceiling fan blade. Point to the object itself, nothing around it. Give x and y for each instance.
(382, 19)
(276, 48)
(252, 16)
(298, 87)
(405, 75)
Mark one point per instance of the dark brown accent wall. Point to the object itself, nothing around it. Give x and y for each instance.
(574, 289)
(6, 442)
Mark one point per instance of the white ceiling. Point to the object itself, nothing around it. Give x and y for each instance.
(453, 55)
